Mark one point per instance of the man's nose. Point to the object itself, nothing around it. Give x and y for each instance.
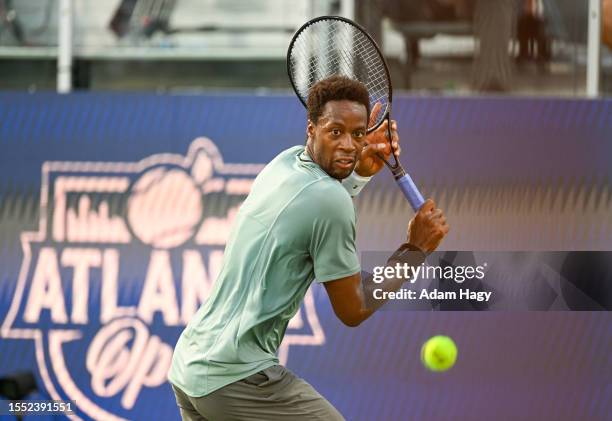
(347, 143)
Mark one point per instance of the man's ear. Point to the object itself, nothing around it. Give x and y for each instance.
(310, 129)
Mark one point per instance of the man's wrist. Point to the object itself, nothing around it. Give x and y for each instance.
(357, 172)
(354, 183)
(408, 253)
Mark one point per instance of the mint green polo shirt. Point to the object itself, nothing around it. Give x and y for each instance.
(297, 224)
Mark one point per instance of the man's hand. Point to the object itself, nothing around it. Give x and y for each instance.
(377, 142)
(428, 227)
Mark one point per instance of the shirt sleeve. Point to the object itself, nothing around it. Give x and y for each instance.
(332, 245)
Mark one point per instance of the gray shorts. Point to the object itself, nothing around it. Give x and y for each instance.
(271, 394)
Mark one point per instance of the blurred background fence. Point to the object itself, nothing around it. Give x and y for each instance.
(525, 47)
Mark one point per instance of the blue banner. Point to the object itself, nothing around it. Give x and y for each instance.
(115, 210)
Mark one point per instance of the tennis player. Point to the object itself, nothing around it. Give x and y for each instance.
(296, 225)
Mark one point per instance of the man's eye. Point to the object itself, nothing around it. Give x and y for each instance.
(336, 132)
(359, 134)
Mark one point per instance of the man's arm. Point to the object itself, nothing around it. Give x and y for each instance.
(352, 296)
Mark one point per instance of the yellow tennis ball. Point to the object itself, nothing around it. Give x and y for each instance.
(439, 353)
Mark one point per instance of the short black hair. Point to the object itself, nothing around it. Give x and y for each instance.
(335, 88)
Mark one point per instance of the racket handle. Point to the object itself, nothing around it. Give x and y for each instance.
(411, 191)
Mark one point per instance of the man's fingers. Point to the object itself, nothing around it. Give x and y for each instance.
(428, 206)
(397, 150)
(394, 138)
(374, 113)
(394, 128)
(437, 213)
(375, 148)
(385, 149)
(434, 217)
(383, 128)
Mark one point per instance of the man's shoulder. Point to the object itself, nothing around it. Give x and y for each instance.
(328, 187)
(327, 195)
(289, 153)
(312, 188)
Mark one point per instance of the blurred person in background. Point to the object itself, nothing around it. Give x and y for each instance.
(492, 22)
(533, 41)
(494, 27)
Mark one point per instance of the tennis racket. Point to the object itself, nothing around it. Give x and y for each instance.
(333, 45)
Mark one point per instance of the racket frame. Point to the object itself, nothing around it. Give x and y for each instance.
(396, 169)
(362, 30)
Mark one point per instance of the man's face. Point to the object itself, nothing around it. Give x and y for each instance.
(336, 140)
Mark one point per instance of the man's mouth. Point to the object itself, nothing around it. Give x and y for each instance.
(345, 163)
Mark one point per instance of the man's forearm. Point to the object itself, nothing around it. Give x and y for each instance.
(408, 255)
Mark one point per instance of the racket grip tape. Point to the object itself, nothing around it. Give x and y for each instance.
(411, 192)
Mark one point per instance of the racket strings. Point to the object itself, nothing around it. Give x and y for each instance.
(330, 47)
